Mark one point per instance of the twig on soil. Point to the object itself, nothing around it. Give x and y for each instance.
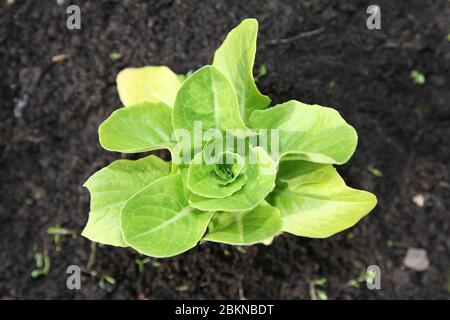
(91, 259)
(43, 263)
(241, 290)
(302, 35)
(61, 57)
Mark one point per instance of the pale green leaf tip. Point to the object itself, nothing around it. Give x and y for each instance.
(250, 21)
(374, 200)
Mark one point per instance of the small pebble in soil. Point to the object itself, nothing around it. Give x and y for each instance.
(19, 106)
(419, 199)
(416, 259)
(438, 80)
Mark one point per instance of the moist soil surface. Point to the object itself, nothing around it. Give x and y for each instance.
(51, 106)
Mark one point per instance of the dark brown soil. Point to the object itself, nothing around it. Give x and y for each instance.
(50, 112)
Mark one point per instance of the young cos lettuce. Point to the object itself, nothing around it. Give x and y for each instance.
(162, 209)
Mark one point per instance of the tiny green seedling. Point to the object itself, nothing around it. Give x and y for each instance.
(57, 232)
(322, 295)
(418, 111)
(331, 86)
(114, 56)
(42, 262)
(365, 276)
(241, 250)
(390, 244)
(109, 279)
(241, 193)
(375, 171)
(417, 77)
(261, 73)
(105, 281)
(315, 293)
(355, 283)
(184, 77)
(320, 281)
(141, 263)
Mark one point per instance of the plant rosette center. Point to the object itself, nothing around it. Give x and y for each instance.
(223, 180)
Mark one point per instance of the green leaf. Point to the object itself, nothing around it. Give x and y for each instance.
(314, 200)
(308, 132)
(322, 295)
(144, 127)
(148, 84)
(111, 187)
(159, 222)
(245, 228)
(235, 58)
(261, 172)
(210, 179)
(207, 96)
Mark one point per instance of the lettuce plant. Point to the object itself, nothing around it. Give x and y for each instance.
(212, 190)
